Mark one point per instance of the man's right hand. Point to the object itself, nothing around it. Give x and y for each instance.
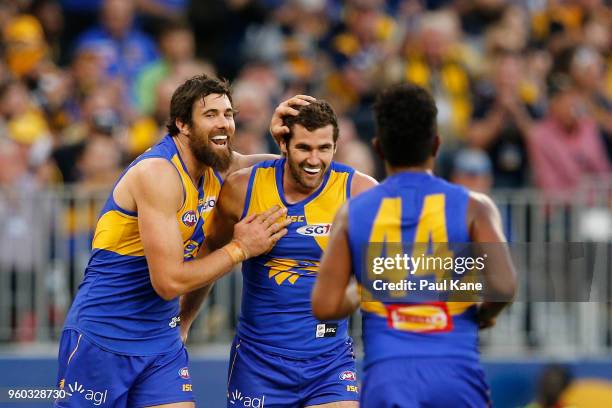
(258, 233)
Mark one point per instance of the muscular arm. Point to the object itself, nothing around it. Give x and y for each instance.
(228, 209)
(170, 275)
(226, 214)
(500, 276)
(334, 296)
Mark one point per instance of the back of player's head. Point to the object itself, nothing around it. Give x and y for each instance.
(316, 115)
(406, 124)
(192, 90)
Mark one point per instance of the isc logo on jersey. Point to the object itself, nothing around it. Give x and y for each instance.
(314, 230)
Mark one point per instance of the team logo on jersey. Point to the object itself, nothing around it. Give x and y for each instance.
(190, 218)
(184, 373)
(207, 204)
(314, 230)
(176, 321)
(190, 249)
(290, 269)
(326, 330)
(348, 376)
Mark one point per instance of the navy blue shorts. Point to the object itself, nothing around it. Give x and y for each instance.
(424, 382)
(95, 377)
(259, 379)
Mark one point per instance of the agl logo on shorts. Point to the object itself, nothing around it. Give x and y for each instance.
(237, 398)
(96, 397)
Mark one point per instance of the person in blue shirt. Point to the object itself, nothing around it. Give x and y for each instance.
(124, 49)
(419, 352)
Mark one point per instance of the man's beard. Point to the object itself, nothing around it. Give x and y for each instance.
(208, 156)
(296, 170)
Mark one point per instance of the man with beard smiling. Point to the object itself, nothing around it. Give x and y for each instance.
(121, 346)
(282, 356)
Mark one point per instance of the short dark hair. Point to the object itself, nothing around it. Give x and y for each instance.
(314, 116)
(406, 124)
(181, 105)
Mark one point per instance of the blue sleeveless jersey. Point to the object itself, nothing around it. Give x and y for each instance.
(412, 207)
(116, 306)
(276, 312)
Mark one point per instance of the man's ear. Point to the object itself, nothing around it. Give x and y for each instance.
(183, 128)
(283, 146)
(378, 148)
(436, 146)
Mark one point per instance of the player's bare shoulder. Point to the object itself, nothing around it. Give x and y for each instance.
(484, 219)
(361, 182)
(149, 179)
(233, 192)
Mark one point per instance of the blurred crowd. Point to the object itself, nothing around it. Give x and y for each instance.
(523, 87)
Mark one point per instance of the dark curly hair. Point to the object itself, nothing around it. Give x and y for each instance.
(312, 117)
(181, 105)
(406, 124)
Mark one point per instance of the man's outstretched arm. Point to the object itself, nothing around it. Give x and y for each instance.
(156, 189)
(224, 217)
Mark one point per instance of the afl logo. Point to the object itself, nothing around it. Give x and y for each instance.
(184, 373)
(314, 230)
(348, 376)
(190, 218)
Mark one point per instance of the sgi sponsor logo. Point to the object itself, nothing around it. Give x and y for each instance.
(314, 230)
(254, 402)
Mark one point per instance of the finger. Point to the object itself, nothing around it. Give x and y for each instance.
(279, 130)
(275, 215)
(265, 216)
(286, 110)
(277, 226)
(249, 219)
(277, 236)
(306, 98)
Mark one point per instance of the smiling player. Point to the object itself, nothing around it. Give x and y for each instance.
(121, 336)
(282, 356)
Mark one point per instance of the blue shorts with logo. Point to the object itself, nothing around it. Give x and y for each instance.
(260, 379)
(424, 382)
(92, 376)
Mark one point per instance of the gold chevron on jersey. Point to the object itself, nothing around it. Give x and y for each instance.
(286, 269)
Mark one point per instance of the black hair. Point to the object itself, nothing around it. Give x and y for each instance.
(406, 124)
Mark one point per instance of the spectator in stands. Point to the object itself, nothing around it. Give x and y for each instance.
(587, 71)
(472, 169)
(565, 147)
(124, 50)
(502, 118)
(177, 45)
(434, 59)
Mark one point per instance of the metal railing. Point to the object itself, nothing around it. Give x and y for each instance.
(45, 239)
